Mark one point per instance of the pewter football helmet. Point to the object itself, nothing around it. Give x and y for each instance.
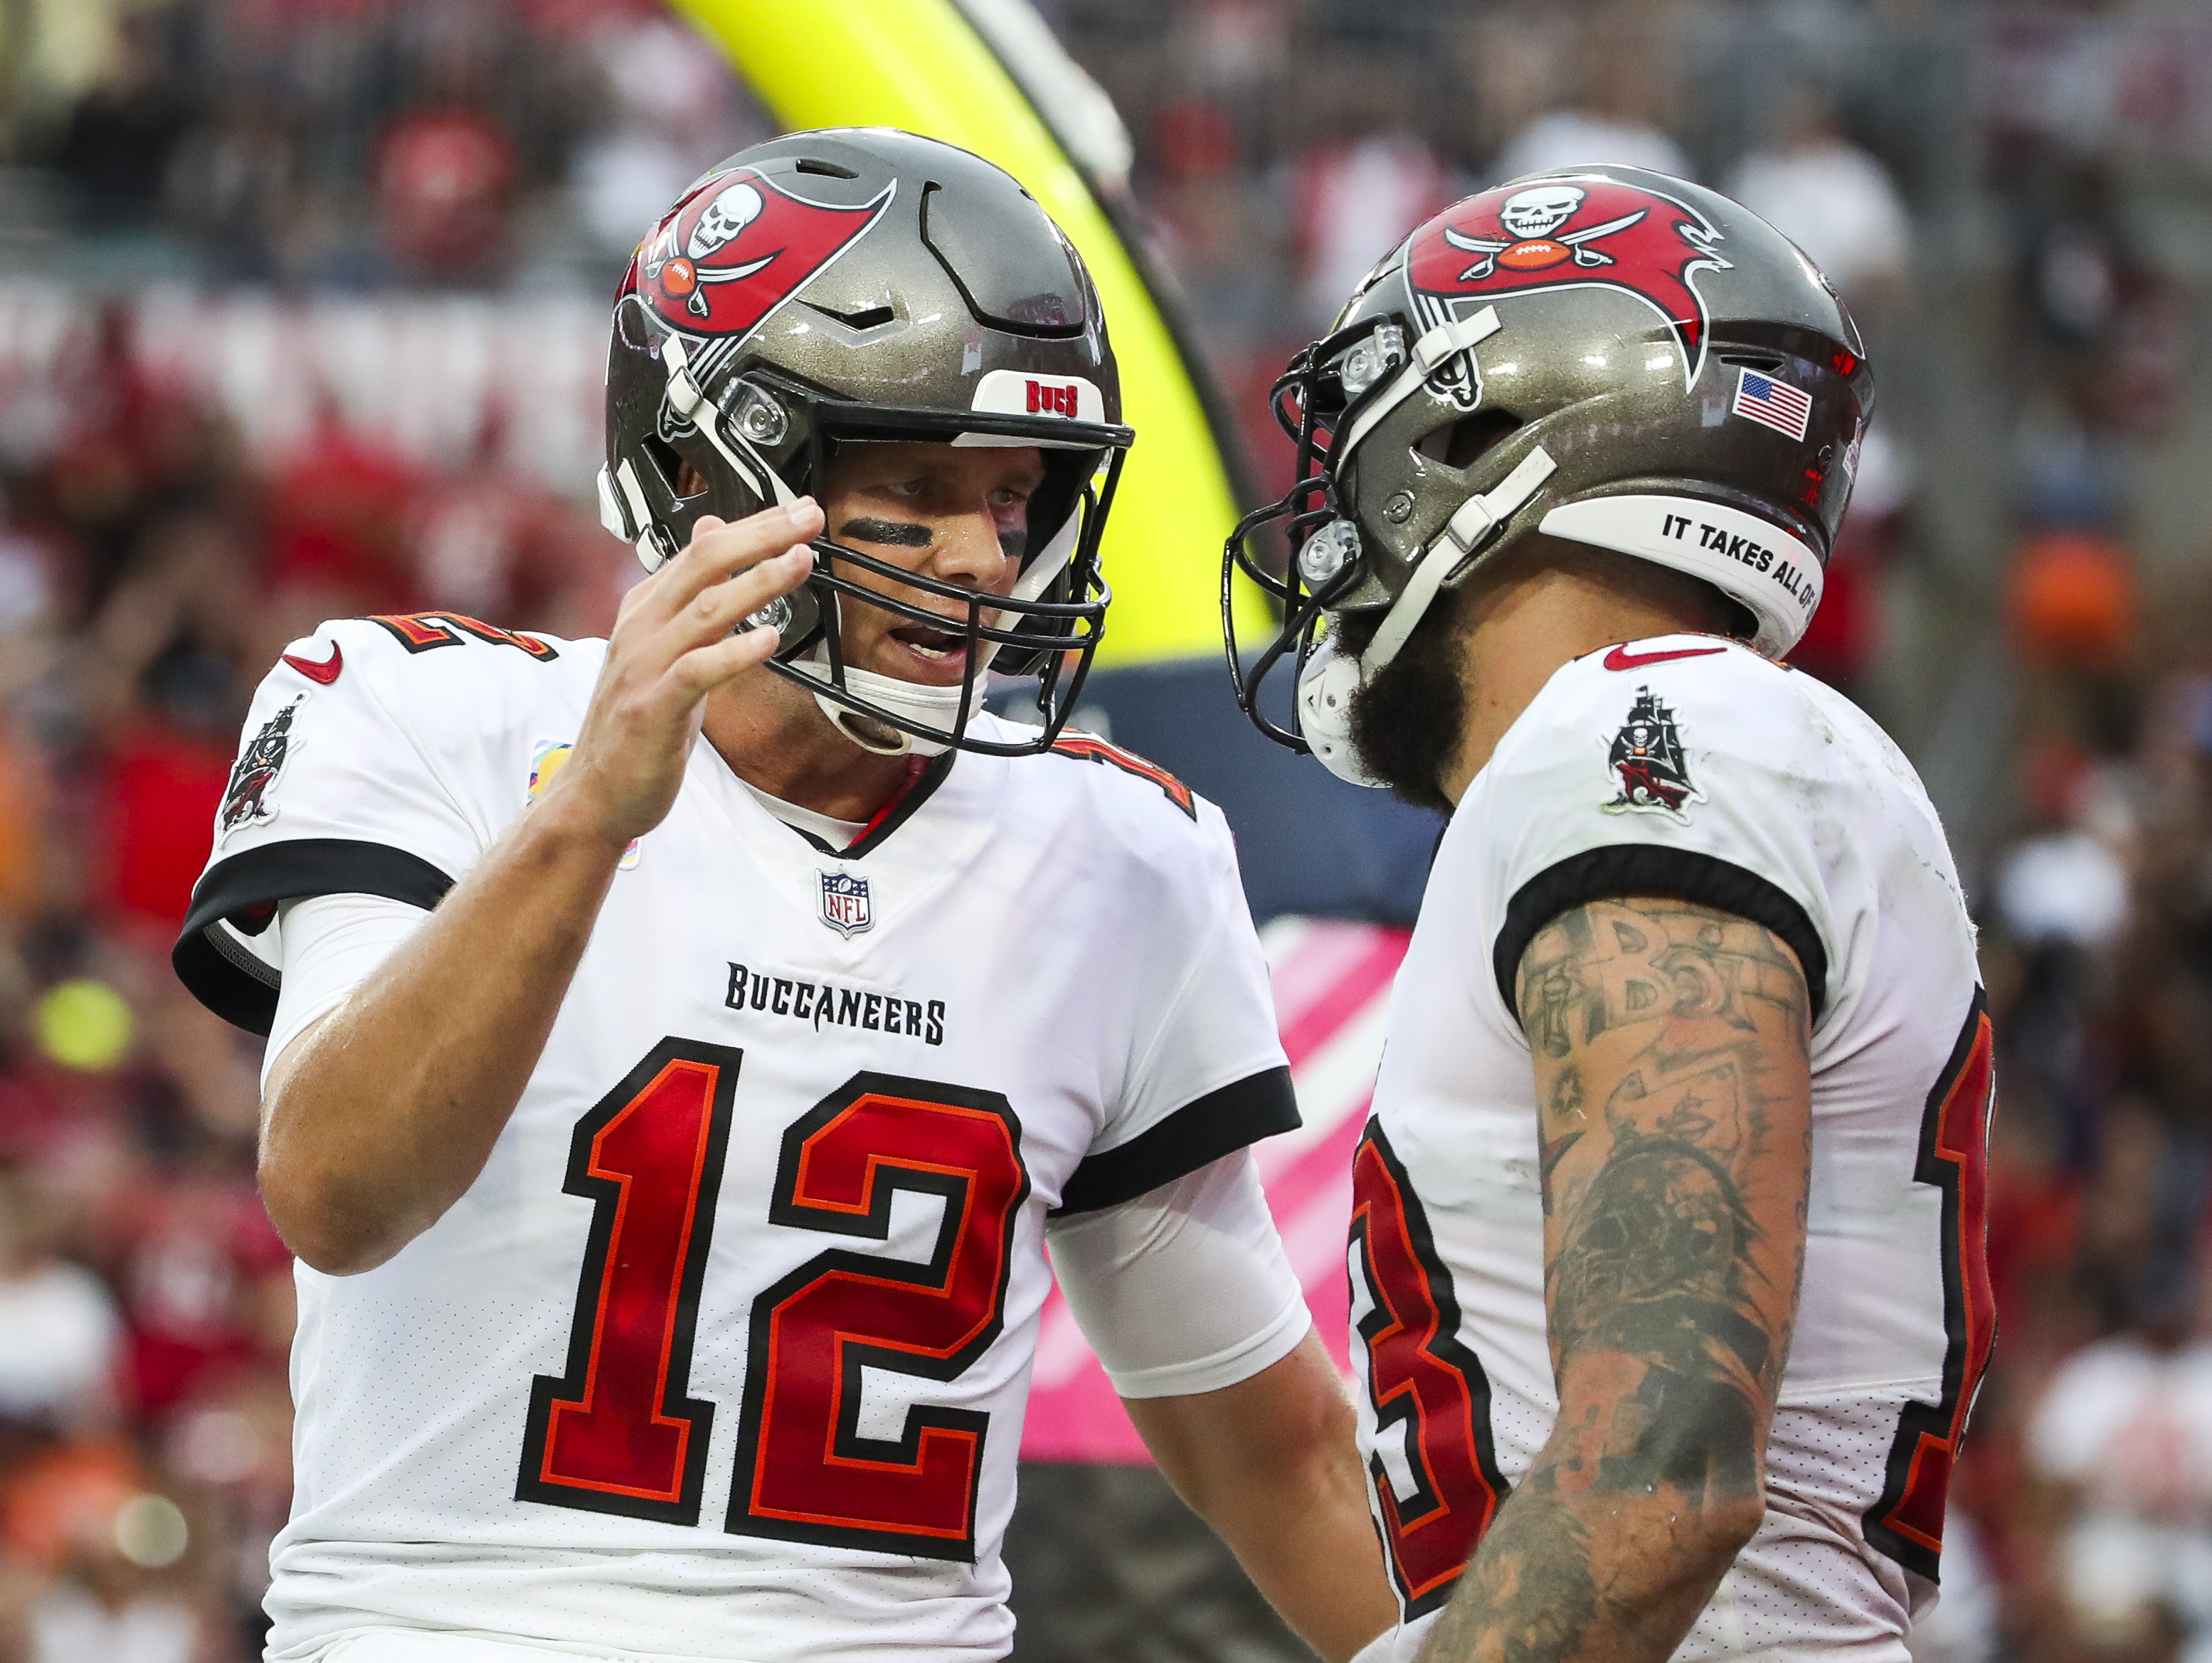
(854, 284)
(1611, 356)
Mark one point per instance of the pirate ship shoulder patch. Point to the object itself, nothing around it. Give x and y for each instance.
(1650, 768)
(247, 800)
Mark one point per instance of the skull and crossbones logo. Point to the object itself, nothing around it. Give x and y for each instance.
(684, 275)
(1529, 218)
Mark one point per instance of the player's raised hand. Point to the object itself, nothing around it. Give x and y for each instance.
(673, 643)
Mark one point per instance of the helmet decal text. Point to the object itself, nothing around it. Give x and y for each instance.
(739, 248)
(1576, 231)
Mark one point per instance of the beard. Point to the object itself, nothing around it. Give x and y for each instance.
(1407, 721)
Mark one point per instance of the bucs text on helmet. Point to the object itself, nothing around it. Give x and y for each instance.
(1611, 356)
(849, 285)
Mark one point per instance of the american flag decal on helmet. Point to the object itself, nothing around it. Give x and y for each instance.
(1775, 404)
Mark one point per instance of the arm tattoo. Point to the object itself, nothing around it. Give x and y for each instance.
(1673, 1086)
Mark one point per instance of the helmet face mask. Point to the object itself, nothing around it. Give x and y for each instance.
(1610, 356)
(841, 287)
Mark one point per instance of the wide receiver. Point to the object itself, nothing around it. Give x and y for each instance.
(678, 1064)
(1667, 1247)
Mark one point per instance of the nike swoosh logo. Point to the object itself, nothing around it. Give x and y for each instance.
(1621, 659)
(324, 673)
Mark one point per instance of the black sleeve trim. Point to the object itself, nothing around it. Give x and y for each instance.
(1219, 1123)
(1642, 869)
(233, 982)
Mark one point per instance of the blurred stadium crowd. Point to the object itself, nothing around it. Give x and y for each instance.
(376, 216)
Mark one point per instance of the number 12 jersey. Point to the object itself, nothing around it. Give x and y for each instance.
(723, 1356)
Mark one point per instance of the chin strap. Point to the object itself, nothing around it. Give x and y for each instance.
(926, 706)
(691, 403)
(1474, 524)
(1330, 677)
(1326, 685)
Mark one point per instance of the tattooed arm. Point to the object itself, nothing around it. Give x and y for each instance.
(1674, 1089)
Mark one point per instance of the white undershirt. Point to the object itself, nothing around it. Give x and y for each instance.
(1183, 1289)
(838, 834)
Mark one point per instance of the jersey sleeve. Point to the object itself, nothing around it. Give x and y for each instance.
(334, 791)
(1209, 1077)
(1681, 768)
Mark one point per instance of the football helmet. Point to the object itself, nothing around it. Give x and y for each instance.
(837, 286)
(1609, 355)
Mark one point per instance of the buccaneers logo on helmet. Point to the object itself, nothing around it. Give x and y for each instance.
(739, 248)
(1567, 233)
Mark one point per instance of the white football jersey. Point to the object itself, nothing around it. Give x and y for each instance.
(724, 1354)
(1682, 767)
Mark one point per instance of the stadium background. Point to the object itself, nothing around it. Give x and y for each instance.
(302, 311)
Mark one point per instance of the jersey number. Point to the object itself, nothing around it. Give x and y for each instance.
(1423, 1382)
(425, 632)
(1907, 1522)
(617, 1433)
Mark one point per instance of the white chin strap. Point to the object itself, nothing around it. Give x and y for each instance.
(932, 707)
(1430, 353)
(929, 706)
(1325, 688)
(1330, 678)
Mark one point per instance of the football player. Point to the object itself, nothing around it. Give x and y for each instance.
(683, 1047)
(1666, 1248)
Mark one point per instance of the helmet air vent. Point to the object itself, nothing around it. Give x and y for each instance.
(865, 318)
(667, 462)
(1463, 443)
(1005, 257)
(826, 169)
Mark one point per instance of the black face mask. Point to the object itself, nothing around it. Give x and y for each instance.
(1407, 723)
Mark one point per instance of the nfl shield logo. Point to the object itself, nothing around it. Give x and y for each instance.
(845, 903)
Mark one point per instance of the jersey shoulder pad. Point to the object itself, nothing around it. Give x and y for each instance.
(379, 757)
(1672, 717)
(1133, 824)
(428, 659)
(1078, 746)
(367, 732)
(1682, 766)
(457, 689)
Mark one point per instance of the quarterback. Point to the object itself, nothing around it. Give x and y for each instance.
(1667, 1247)
(684, 1048)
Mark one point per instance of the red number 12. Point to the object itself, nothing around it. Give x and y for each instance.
(617, 1433)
